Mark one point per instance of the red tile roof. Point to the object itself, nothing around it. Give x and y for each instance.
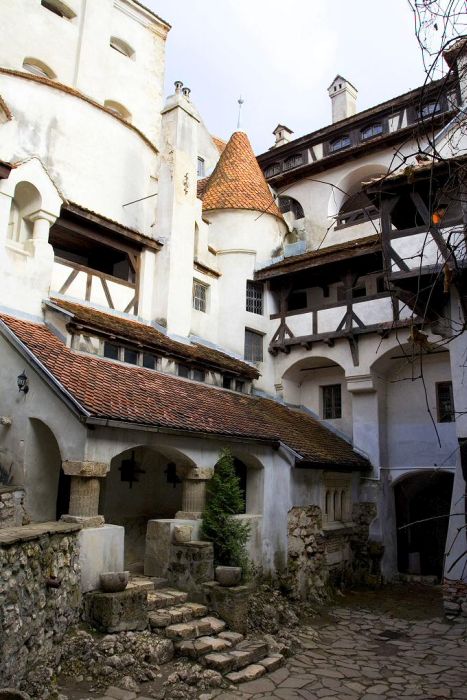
(151, 338)
(237, 181)
(220, 144)
(115, 391)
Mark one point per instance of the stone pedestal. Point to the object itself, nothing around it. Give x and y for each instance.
(101, 549)
(84, 492)
(230, 603)
(194, 493)
(159, 538)
(117, 612)
(191, 565)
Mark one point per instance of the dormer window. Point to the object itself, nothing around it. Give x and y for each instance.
(272, 170)
(118, 109)
(294, 161)
(369, 132)
(39, 68)
(122, 47)
(429, 108)
(58, 8)
(340, 143)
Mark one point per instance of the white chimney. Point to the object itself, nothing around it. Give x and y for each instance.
(343, 98)
(282, 134)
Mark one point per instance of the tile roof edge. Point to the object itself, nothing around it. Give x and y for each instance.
(42, 370)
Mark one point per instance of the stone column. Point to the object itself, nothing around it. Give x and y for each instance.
(84, 492)
(194, 493)
(39, 243)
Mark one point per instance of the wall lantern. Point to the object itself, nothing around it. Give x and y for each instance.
(23, 382)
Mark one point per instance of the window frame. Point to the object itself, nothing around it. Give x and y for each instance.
(335, 148)
(442, 416)
(331, 405)
(254, 297)
(251, 352)
(200, 167)
(200, 301)
(371, 127)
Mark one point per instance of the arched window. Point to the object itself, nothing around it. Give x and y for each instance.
(58, 8)
(37, 67)
(287, 204)
(118, 109)
(294, 161)
(25, 202)
(340, 143)
(357, 207)
(371, 131)
(122, 47)
(429, 108)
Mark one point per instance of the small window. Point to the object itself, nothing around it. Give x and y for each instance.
(332, 405)
(272, 170)
(429, 108)
(149, 361)
(287, 204)
(340, 143)
(183, 371)
(122, 47)
(253, 346)
(199, 375)
(254, 297)
(294, 161)
(371, 131)
(200, 171)
(200, 296)
(227, 381)
(118, 109)
(297, 300)
(39, 68)
(239, 386)
(58, 8)
(445, 402)
(130, 356)
(111, 350)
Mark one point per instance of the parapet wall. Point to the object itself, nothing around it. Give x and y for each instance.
(40, 598)
(12, 513)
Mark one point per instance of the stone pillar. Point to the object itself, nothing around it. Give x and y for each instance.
(39, 243)
(194, 493)
(84, 492)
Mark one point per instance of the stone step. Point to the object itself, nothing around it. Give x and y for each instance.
(165, 598)
(179, 613)
(249, 673)
(196, 648)
(196, 628)
(272, 663)
(245, 654)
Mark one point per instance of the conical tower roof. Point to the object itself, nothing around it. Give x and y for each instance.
(237, 181)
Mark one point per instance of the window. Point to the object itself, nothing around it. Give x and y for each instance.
(287, 204)
(199, 375)
(294, 161)
(227, 381)
(118, 109)
(200, 167)
(200, 296)
(253, 346)
(332, 406)
(272, 170)
(183, 371)
(429, 108)
(254, 297)
(371, 131)
(239, 385)
(337, 499)
(340, 143)
(58, 8)
(130, 356)
(111, 350)
(36, 67)
(149, 361)
(122, 47)
(297, 300)
(445, 402)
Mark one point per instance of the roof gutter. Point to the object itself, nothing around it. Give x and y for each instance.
(44, 373)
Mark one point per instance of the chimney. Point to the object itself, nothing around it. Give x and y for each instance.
(343, 98)
(282, 134)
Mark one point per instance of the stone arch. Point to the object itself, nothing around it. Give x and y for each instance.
(250, 470)
(46, 491)
(351, 184)
(422, 495)
(26, 201)
(307, 383)
(144, 483)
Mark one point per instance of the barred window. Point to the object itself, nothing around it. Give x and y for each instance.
(332, 404)
(200, 167)
(294, 161)
(272, 170)
(254, 297)
(200, 295)
(445, 402)
(253, 346)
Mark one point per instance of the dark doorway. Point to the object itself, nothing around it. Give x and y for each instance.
(423, 497)
(63, 494)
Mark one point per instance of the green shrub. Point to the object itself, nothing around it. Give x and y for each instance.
(224, 499)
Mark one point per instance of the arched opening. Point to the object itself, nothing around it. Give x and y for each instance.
(26, 201)
(58, 8)
(118, 109)
(39, 68)
(47, 493)
(423, 502)
(250, 475)
(122, 47)
(289, 204)
(142, 484)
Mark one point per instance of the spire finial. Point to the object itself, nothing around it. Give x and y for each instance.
(240, 103)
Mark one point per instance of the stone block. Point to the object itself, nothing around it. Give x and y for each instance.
(159, 535)
(219, 662)
(117, 612)
(272, 663)
(101, 549)
(232, 637)
(193, 649)
(250, 673)
(159, 619)
(120, 694)
(191, 564)
(230, 603)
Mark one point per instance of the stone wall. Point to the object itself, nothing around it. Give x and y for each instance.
(367, 553)
(12, 513)
(455, 599)
(39, 598)
(306, 553)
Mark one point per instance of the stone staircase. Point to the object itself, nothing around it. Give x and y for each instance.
(204, 638)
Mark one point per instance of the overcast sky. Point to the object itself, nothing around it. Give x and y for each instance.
(281, 56)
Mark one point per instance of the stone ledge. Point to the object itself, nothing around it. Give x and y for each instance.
(12, 535)
(10, 489)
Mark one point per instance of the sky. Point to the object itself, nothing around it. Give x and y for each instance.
(282, 55)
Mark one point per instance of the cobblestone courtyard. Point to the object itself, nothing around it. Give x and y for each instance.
(373, 646)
